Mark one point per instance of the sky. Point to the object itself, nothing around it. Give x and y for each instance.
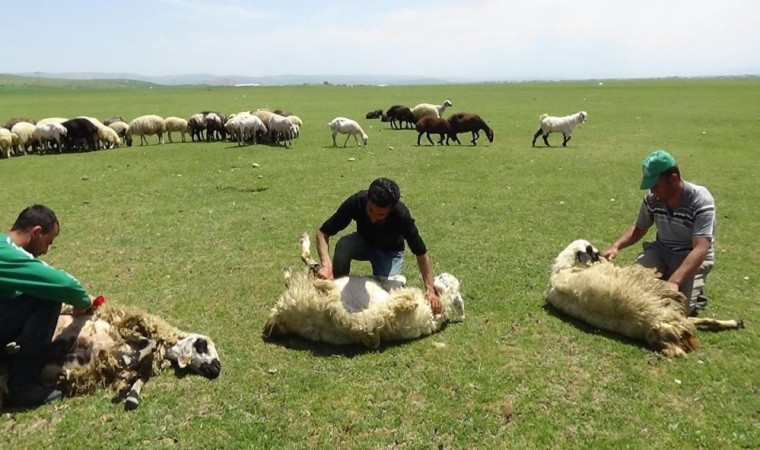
(470, 40)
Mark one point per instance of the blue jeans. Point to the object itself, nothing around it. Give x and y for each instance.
(354, 247)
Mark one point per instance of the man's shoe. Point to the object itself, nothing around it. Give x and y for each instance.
(33, 395)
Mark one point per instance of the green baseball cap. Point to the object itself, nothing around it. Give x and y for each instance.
(654, 165)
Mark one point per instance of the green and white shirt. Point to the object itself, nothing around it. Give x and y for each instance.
(22, 273)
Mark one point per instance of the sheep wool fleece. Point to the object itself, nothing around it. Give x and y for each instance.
(20, 272)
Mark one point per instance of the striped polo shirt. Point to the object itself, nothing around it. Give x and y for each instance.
(694, 217)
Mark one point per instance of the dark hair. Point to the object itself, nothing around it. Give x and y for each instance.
(35, 215)
(671, 171)
(384, 192)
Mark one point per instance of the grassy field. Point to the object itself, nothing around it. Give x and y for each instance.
(194, 233)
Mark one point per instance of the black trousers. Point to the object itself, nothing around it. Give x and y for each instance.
(30, 322)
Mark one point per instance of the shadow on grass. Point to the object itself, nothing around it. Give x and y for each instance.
(295, 342)
(590, 329)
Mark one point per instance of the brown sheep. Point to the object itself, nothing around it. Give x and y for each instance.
(462, 122)
(9, 124)
(432, 124)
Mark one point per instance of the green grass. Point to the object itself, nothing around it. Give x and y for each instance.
(194, 233)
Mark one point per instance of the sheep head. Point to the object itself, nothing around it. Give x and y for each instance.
(578, 253)
(197, 352)
(584, 116)
(447, 288)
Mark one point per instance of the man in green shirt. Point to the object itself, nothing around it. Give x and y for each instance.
(31, 293)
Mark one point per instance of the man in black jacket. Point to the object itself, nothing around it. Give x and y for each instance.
(382, 225)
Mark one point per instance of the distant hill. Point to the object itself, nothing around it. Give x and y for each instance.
(7, 80)
(215, 80)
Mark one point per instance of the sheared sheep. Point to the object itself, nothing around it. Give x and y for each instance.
(280, 128)
(121, 348)
(358, 309)
(349, 127)
(436, 125)
(630, 300)
(463, 122)
(426, 109)
(50, 132)
(176, 124)
(564, 124)
(145, 126)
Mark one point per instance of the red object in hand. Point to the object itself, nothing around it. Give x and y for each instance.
(98, 302)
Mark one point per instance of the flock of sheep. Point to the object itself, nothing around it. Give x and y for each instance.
(21, 135)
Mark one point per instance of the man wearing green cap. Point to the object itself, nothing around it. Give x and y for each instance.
(684, 214)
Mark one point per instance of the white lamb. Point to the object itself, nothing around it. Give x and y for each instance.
(564, 124)
(632, 301)
(427, 109)
(357, 309)
(176, 124)
(50, 132)
(349, 127)
(145, 126)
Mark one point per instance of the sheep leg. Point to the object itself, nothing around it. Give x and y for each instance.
(133, 396)
(475, 137)
(428, 137)
(169, 135)
(334, 143)
(567, 138)
(546, 139)
(441, 141)
(346, 141)
(535, 136)
(715, 324)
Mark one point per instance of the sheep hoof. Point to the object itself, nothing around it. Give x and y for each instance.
(131, 403)
(739, 324)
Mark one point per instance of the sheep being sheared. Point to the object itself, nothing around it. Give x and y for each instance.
(359, 309)
(630, 300)
(121, 348)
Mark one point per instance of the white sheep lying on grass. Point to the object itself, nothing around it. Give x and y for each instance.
(347, 126)
(631, 301)
(120, 348)
(357, 309)
(564, 124)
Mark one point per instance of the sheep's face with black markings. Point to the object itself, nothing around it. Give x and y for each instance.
(578, 253)
(198, 353)
(447, 288)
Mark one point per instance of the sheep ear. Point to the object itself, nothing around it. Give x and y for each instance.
(593, 253)
(181, 352)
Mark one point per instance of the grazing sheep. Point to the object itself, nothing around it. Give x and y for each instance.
(376, 114)
(215, 126)
(51, 120)
(297, 122)
(26, 140)
(282, 113)
(280, 128)
(9, 124)
(264, 115)
(565, 124)
(113, 119)
(462, 122)
(400, 115)
(146, 126)
(436, 125)
(347, 126)
(426, 109)
(81, 133)
(631, 300)
(254, 127)
(6, 142)
(176, 124)
(108, 137)
(50, 132)
(122, 348)
(389, 116)
(121, 130)
(197, 124)
(356, 309)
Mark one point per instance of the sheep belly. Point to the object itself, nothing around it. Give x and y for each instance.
(360, 293)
